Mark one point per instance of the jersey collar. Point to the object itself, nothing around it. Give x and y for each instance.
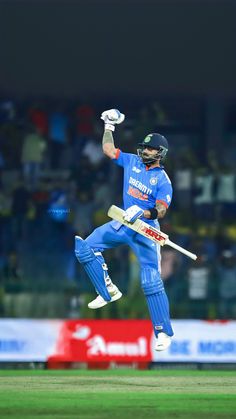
(153, 168)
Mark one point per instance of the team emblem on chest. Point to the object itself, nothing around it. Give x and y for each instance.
(153, 180)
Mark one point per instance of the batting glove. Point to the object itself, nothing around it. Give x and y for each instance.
(111, 118)
(133, 213)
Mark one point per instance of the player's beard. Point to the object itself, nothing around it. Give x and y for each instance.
(147, 159)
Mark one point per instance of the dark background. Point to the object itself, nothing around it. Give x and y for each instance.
(92, 49)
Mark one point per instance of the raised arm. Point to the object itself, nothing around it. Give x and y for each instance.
(108, 145)
(110, 118)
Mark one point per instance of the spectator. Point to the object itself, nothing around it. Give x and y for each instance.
(33, 149)
(102, 194)
(5, 219)
(58, 134)
(84, 121)
(170, 264)
(226, 194)
(39, 119)
(20, 206)
(92, 150)
(204, 199)
(183, 183)
(84, 205)
(2, 166)
(226, 273)
(199, 292)
(58, 203)
(12, 272)
(84, 175)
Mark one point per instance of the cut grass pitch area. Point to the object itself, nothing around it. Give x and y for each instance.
(117, 394)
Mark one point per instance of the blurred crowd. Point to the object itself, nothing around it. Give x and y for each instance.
(55, 182)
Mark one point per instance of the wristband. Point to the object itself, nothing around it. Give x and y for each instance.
(110, 127)
(153, 213)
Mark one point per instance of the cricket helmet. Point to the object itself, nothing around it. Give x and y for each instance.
(156, 141)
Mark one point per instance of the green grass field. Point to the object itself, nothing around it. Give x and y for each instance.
(117, 394)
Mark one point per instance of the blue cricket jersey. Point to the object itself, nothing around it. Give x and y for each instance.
(143, 186)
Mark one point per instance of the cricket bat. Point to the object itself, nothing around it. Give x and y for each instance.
(146, 230)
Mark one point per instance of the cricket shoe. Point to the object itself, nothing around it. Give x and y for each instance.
(100, 302)
(163, 342)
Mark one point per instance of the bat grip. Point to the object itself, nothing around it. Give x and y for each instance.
(181, 249)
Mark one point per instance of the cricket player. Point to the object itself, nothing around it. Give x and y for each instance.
(147, 194)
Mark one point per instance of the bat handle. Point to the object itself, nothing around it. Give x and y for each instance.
(181, 249)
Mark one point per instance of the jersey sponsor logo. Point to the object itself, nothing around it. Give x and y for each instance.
(136, 170)
(168, 198)
(137, 194)
(139, 185)
(153, 180)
